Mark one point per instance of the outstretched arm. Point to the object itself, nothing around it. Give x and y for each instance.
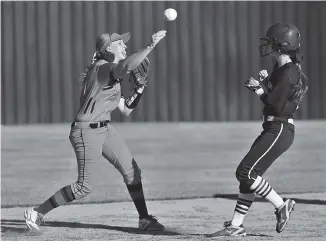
(132, 61)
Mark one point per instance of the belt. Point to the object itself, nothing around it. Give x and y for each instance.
(92, 125)
(276, 118)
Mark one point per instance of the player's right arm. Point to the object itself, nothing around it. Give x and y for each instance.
(263, 78)
(133, 60)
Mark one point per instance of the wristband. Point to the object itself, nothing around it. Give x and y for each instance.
(132, 101)
(150, 46)
(259, 91)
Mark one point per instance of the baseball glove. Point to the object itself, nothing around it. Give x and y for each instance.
(140, 74)
(254, 85)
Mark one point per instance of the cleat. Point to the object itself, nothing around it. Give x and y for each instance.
(33, 219)
(229, 230)
(283, 214)
(150, 223)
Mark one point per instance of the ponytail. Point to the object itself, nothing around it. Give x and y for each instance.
(301, 88)
(90, 66)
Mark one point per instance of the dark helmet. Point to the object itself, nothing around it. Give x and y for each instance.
(283, 37)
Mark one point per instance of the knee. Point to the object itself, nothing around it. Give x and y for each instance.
(244, 172)
(133, 175)
(241, 173)
(245, 180)
(81, 189)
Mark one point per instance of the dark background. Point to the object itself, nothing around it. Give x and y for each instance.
(197, 71)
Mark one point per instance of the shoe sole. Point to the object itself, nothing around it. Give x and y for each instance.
(286, 221)
(154, 230)
(147, 228)
(32, 227)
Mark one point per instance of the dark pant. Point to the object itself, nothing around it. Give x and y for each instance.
(274, 140)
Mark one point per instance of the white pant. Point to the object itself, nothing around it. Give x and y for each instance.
(89, 145)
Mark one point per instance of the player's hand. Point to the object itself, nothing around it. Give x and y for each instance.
(263, 74)
(251, 82)
(157, 37)
(254, 85)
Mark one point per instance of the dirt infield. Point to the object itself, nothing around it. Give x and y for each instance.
(184, 220)
(178, 161)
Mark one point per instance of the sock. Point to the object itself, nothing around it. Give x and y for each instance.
(243, 204)
(61, 197)
(137, 196)
(262, 187)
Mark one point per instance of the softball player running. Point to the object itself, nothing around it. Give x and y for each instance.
(91, 133)
(281, 94)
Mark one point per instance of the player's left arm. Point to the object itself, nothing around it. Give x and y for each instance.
(126, 106)
(280, 94)
(275, 99)
(139, 77)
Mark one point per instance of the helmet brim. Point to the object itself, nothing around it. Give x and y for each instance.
(266, 38)
(124, 37)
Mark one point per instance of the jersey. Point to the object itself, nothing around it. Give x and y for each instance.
(97, 101)
(281, 86)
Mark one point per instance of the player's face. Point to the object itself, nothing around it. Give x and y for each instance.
(118, 48)
(266, 48)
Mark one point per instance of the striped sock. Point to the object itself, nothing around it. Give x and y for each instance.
(61, 197)
(243, 204)
(262, 187)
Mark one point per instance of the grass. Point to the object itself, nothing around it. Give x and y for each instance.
(183, 166)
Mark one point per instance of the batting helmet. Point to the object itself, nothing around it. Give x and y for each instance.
(283, 37)
(104, 40)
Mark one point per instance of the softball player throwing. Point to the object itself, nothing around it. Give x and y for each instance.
(281, 94)
(91, 133)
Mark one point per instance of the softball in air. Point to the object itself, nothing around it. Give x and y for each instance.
(170, 14)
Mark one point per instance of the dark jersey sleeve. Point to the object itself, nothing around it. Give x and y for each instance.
(277, 98)
(105, 74)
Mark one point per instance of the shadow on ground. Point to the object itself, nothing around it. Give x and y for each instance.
(19, 227)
